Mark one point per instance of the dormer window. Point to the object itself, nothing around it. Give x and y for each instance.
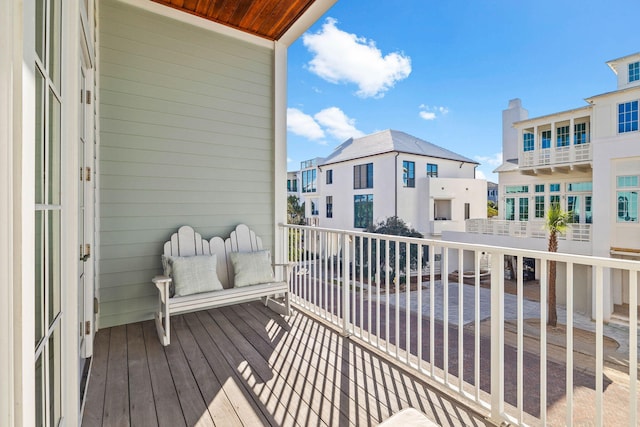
(634, 72)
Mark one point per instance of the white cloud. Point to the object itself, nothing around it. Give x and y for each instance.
(337, 123)
(428, 115)
(341, 57)
(431, 113)
(495, 160)
(289, 160)
(303, 124)
(480, 174)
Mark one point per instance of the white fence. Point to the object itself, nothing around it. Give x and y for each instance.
(475, 340)
(533, 228)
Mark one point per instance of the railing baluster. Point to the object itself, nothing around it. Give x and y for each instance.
(520, 345)
(407, 310)
(388, 296)
(544, 295)
(476, 326)
(419, 296)
(460, 318)
(345, 284)
(378, 264)
(369, 281)
(444, 279)
(633, 347)
(569, 328)
(396, 280)
(432, 300)
(599, 344)
(497, 336)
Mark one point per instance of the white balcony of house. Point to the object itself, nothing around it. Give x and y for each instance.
(559, 143)
(576, 239)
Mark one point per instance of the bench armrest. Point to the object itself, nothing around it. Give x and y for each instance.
(163, 283)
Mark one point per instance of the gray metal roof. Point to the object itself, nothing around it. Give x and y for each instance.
(390, 141)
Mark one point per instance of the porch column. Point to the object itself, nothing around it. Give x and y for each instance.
(280, 149)
(572, 132)
(553, 144)
(537, 146)
(7, 330)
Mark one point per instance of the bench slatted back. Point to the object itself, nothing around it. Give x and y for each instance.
(186, 242)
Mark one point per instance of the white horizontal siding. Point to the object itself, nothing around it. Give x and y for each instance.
(186, 137)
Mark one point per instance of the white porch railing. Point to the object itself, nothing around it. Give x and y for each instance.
(533, 228)
(455, 334)
(556, 155)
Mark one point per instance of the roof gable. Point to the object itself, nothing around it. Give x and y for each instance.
(389, 141)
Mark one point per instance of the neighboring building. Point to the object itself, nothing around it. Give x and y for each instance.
(390, 173)
(587, 160)
(492, 192)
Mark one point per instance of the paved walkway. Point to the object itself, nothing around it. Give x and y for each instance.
(531, 310)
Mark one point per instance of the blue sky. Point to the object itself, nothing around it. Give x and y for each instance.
(443, 71)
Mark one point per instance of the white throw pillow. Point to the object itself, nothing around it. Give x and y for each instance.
(251, 268)
(194, 274)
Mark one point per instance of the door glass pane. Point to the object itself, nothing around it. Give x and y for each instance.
(53, 152)
(573, 206)
(588, 215)
(509, 213)
(39, 138)
(40, 11)
(39, 277)
(54, 33)
(523, 209)
(54, 378)
(53, 259)
(39, 391)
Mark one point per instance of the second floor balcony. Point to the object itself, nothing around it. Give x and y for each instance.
(569, 156)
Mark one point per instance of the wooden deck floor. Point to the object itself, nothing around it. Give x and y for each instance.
(247, 366)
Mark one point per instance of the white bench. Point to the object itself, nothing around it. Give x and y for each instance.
(185, 243)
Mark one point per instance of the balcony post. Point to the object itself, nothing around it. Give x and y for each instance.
(553, 144)
(346, 330)
(572, 145)
(497, 337)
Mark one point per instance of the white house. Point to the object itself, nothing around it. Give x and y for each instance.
(586, 159)
(119, 122)
(390, 173)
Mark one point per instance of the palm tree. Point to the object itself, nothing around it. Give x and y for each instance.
(556, 222)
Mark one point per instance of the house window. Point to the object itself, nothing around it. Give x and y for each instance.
(330, 176)
(309, 181)
(539, 188)
(329, 206)
(554, 200)
(467, 210)
(362, 210)
(554, 188)
(562, 138)
(529, 142)
(580, 133)
(546, 139)
(523, 209)
(539, 207)
(409, 173)
(432, 170)
(579, 186)
(627, 198)
(363, 176)
(292, 185)
(634, 72)
(628, 117)
(314, 207)
(516, 189)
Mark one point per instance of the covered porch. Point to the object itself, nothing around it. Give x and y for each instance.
(246, 365)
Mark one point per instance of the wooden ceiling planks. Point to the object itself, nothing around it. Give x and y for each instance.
(265, 18)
